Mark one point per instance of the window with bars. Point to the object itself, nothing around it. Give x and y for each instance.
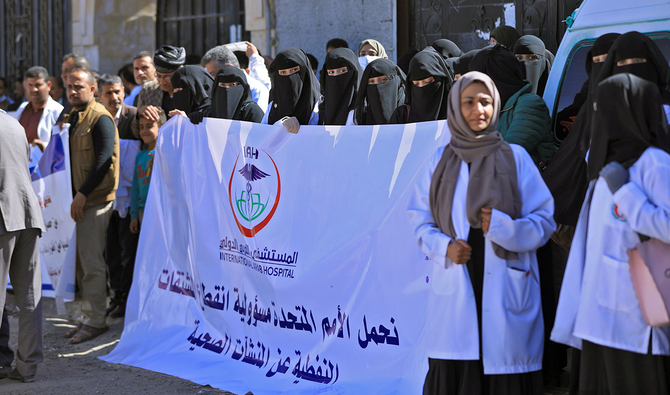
(33, 33)
(198, 25)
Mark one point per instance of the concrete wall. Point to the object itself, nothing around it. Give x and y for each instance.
(110, 33)
(309, 25)
(122, 29)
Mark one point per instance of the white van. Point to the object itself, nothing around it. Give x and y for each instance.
(593, 19)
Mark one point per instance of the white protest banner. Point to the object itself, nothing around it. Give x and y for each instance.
(53, 187)
(275, 263)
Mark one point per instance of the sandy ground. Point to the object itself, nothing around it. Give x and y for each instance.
(75, 369)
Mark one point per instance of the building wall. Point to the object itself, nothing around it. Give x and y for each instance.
(110, 33)
(309, 26)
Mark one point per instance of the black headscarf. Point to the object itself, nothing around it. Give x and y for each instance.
(601, 46)
(461, 65)
(503, 68)
(196, 87)
(227, 103)
(294, 95)
(566, 176)
(376, 103)
(339, 92)
(637, 45)
(428, 103)
(447, 48)
(629, 118)
(537, 71)
(404, 59)
(506, 35)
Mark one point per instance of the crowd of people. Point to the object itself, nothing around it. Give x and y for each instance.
(485, 211)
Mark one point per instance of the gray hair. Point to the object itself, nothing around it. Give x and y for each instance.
(80, 61)
(37, 72)
(221, 56)
(108, 79)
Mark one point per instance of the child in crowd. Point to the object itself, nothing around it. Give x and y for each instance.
(143, 166)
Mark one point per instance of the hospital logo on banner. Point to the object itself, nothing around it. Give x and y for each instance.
(254, 190)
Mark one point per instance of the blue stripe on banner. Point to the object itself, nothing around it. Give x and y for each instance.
(70, 288)
(47, 287)
(53, 159)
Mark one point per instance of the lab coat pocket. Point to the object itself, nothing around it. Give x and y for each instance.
(614, 288)
(445, 281)
(517, 289)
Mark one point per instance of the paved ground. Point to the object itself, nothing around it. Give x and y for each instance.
(75, 369)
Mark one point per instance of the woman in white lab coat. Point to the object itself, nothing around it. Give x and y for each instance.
(480, 210)
(598, 310)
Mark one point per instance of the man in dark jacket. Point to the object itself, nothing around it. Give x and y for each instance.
(94, 159)
(20, 229)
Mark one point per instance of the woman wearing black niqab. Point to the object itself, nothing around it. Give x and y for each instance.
(637, 54)
(630, 198)
(447, 48)
(503, 68)
(295, 89)
(381, 91)
(566, 175)
(192, 88)
(339, 85)
(429, 82)
(532, 52)
(232, 97)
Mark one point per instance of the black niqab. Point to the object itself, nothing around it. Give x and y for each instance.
(376, 103)
(339, 92)
(629, 118)
(227, 103)
(193, 86)
(294, 95)
(503, 68)
(447, 48)
(537, 71)
(566, 176)
(429, 102)
(637, 45)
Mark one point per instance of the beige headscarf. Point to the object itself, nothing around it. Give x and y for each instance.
(493, 179)
(376, 45)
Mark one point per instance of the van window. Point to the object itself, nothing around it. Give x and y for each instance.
(575, 74)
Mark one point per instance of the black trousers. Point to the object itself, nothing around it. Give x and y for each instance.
(6, 353)
(120, 254)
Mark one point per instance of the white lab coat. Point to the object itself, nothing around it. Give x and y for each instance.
(258, 71)
(48, 119)
(512, 326)
(259, 93)
(313, 119)
(597, 301)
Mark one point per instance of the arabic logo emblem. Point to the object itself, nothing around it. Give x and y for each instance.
(254, 190)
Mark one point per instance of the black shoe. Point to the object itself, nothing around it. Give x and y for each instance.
(113, 304)
(15, 375)
(4, 371)
(120, 311)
